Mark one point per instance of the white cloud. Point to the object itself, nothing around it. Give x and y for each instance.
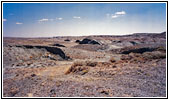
(76, 17)
(18, 23)
(120, 13)
(59, 18)
(4, 20)
(114, 16)
(43, 20)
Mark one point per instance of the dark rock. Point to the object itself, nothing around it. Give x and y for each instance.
(138, 50)
(33, 75)
(88, 41)
(132, 42)
(77, 41)
(118, 41)
(114, 66)
(52, 93)
(26, 46)
(67, 40)
(59, 45)
(104, 92)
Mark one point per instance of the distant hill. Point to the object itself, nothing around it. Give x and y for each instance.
(160, 35)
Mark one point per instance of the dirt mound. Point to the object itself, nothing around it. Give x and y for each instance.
(33, 57)
(52, 50)
(89, 41)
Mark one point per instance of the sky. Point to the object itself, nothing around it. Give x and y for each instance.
(79, 19)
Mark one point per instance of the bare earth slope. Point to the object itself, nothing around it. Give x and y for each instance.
(109, 66)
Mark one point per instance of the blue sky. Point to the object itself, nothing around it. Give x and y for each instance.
(77, 19)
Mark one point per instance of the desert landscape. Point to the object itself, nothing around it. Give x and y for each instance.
(85, 66)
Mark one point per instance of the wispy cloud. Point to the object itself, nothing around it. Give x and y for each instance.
(4, 20)
(120, 13)
(114, 16)
(43, 20)
(59, 18)
(18, 23)
(76, 17)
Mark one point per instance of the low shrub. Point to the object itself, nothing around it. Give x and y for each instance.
(81, 67)
(78, 70)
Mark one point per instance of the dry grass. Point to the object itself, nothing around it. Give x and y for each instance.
(84, 63)
(77, 69)
(90, 63)
(104, 64)
(81, 67)
(161, 48)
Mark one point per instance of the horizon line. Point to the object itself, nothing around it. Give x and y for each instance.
(83, 35)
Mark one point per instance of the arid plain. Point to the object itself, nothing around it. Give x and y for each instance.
(85, 66)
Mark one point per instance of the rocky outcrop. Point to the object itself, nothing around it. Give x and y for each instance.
(138, 50)
(89, 41)
(53, 50)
